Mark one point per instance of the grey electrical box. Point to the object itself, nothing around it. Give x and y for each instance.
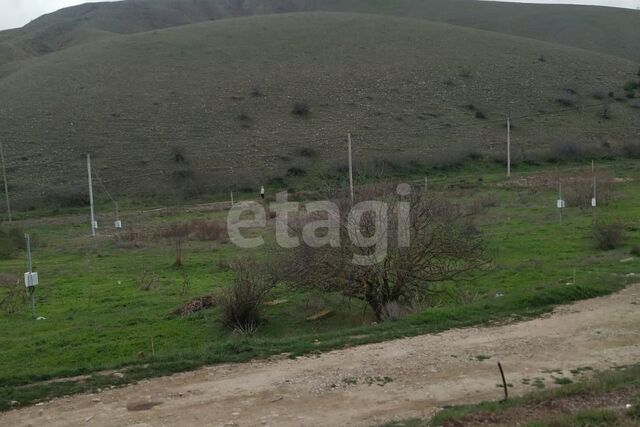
(30, 279)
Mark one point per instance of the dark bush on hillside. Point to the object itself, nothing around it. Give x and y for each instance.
(307, 152)
(608, 236)
(196, 229)
(241, 303)
(631, 149)
(480, 115)
(67, 199)
(454, 157)
(635, 250)
(465, 72)
(256, 92)
(11, 241)
(565, 148)
(296, 171)
(567, 100)
(631, 85)
(301, 109)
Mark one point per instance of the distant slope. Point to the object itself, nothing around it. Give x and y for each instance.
(606, 30)
(210, 105)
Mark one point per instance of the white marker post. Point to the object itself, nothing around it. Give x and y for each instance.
(594, 200)
(509, 146)
(30, 278)
(6, 184)
(350, 167)
(118, 222)
(94, 223)
(560, 204)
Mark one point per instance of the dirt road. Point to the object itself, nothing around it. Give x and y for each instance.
(370, 384)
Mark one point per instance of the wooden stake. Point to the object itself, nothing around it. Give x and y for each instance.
(504, 383)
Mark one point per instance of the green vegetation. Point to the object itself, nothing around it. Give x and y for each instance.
(589, 407)
(109, 302)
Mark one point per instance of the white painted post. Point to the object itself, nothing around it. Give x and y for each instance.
(6, 184)
(350, 168)
(509, 146)
(93, 218)
(560, 201)
(31, 289)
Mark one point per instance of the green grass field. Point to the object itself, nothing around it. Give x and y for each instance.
(98, 317)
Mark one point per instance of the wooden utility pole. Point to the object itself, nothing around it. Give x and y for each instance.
(509, 146)
(6, 184)
(93, 218)
(350, 167)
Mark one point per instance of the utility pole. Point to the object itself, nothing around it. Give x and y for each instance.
(594, 201)
(350, 167)
(117, 223)
(560, 200)
(94, 224)
(509, 145)
(31, 282)
(6, 184)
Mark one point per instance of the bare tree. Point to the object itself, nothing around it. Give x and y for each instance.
(394, 251)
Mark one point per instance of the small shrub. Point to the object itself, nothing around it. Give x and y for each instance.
(241, 303)
(565, 148)
(296, 172)
(196, 229)
(480, 115)
(567, 100)
(130, 238)
(631, 149)
(635, 251)
(67, 198)
(301, 109)
(608, 236)
(465, 72)
(307, 152)
(634, 411)
(256, 92)
(631, 85)
(11, 241)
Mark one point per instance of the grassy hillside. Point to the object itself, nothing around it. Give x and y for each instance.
(607, 30)
(211, 105)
